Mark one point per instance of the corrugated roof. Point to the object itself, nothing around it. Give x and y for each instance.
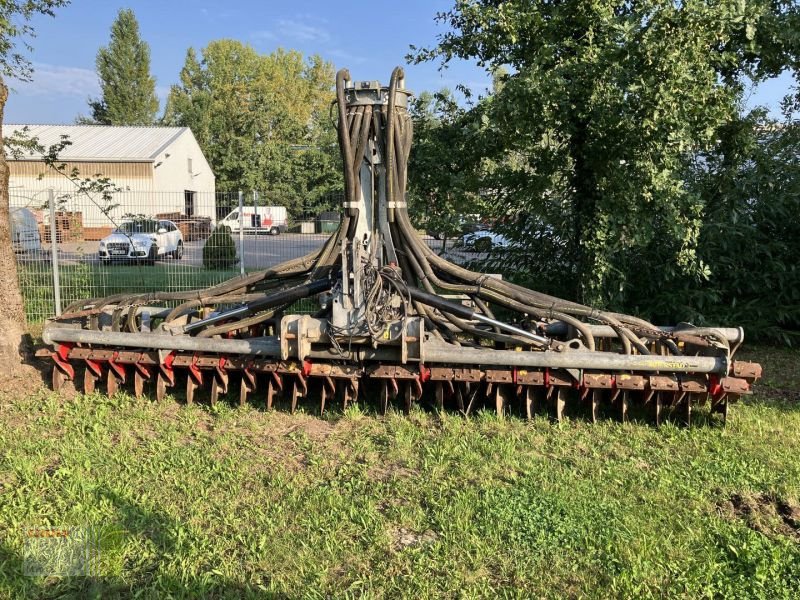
(102, 142)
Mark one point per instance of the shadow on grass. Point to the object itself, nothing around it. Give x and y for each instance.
(142, 577)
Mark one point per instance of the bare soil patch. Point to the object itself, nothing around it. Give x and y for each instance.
(765, 513)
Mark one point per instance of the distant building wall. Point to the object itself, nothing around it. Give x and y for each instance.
(182, 167)
(178, 180)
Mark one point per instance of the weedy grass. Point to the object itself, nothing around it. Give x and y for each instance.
(239, 502)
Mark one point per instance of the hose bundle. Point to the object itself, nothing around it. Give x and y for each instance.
(388, 126)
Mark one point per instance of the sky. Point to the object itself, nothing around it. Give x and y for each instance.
(369, 38)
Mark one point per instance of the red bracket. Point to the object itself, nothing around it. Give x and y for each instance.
(195, 372)
(143, 370)
(94, 366)
(715, 388)
(61, 358)
(424, 373)
(118, 369)
(167, 370)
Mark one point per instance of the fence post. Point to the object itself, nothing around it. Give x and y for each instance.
(241, 233)
(51, 197)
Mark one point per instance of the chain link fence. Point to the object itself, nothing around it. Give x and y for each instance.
(77, 246)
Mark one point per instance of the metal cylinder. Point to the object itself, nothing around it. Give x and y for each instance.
(266, 346)
(732, 334)
(437, 352)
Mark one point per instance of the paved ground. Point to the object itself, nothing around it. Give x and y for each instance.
(260, 251)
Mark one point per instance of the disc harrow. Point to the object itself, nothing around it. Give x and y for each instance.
(396, 324)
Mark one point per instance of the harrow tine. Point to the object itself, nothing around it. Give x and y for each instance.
(270, 393)
(384, 396)
(461, 390)
(529, 397)
(408, 397)
(624, 406)
(439, 393)
(246, 385)
(161, 386)
(720, 406)
(58, 378)
(349, 392)
(215, 389)
(295, 394)
(191, 387)
(138, 383)
(112, 383)
(328, 388)
(659, 407)
(561, 402)
(472, 395)
(89, 381)
(597, 395)
(499, 401)
(687, 409)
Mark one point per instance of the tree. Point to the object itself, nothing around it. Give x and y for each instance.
(15, 16)
(441, 186)
(592, 134)
(262, 120)
(128, 88)
(750, 240)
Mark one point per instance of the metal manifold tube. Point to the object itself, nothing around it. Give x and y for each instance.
(396, 321)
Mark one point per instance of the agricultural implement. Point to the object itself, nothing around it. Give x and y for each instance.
(394, 321)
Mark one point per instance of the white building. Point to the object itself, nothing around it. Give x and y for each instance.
(158, 170)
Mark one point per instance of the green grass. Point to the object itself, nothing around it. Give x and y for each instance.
(231, 502)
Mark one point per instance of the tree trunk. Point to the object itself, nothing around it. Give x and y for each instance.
(13, 341)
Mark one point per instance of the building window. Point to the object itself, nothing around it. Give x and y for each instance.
(188, 203)
(189, 165)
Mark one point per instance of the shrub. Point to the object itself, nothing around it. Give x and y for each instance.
(219, 251)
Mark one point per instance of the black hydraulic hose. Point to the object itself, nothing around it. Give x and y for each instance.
(250, 321)
(285, 296)
(397, 73)
(427, 276)
(289, 295)
(422, 252)
(344, 140)
(465, 312)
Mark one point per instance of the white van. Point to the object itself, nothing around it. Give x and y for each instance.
(24, 231)
(258, 219)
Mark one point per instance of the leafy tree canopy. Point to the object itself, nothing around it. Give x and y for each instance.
(261, 119)
(128, 88)
(442, 189)
(15, 16)
(586, 144)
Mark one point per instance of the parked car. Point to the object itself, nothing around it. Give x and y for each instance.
(466, 224)
(484, 240)
(24, 231)
(142, 240)
(257, 219)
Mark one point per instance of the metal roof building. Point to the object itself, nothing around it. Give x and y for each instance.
(154, 170)
(102, 142)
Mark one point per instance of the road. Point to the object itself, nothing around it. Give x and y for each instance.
(259, 251)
